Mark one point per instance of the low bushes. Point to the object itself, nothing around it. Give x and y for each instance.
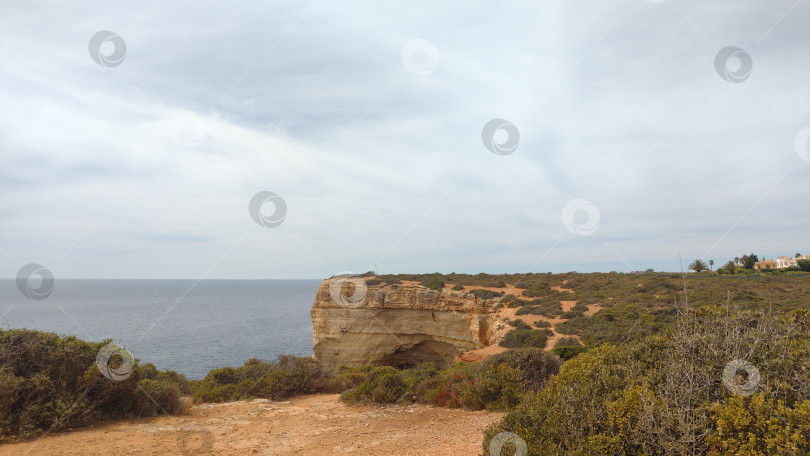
(784, 291)
(545, 308)
(519, 324)
(286, 377)
(567, 352)
(486, 294)
(666, 394)
(433, 283)
(49, 381)
(620, 323)
(567, 342)
(524, 338)
(498, 383)
(580, 307)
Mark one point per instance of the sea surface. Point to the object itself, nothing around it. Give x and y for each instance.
(180, 325)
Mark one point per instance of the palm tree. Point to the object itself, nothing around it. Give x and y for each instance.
(711, 264)
(698, 265)
(736, 260)
(798, 255)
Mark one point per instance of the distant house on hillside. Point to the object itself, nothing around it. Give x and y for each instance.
(765, 264)
(785, 262)
(780, 262)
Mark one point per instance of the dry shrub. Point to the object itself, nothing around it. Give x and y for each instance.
(665, 394)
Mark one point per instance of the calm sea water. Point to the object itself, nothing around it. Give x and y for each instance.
(175, 324)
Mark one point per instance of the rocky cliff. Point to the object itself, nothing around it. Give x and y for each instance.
(399, 325)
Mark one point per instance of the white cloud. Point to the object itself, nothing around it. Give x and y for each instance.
(146, 169)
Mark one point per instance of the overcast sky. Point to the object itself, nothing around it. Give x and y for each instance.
(636, 142)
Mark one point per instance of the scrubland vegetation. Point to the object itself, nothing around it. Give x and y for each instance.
(498, 383)
(633, 306)
(48, 382)
(665, 394)
(642, 376)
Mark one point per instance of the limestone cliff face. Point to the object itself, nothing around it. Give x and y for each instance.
(397, 325)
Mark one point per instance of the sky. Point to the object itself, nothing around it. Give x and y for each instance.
(301, 139)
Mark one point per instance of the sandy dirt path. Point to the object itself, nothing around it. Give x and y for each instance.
(309, 425)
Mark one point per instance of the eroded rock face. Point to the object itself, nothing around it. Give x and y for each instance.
(397, 325)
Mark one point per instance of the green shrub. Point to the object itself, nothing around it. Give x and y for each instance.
(527, 310)
(507, 299)
(541, 307)
(384, 385)
(286, 377)
(567, 352)
(580, 307)
(567, 342)
(458, 287)
(498, 383)
(432, 281)
(536, 365)
(760, 425)
(49, 381)
(486, 294)
(165, 394)
(535, 292)
(542, 324)
(523, 338)
(519, 324)
(494, 387)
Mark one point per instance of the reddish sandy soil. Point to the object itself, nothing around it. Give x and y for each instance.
(504, 314)
(309, 425)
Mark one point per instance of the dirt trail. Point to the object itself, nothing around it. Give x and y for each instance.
(309, 425)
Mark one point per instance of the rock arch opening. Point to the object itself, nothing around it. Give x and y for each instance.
(440, 354)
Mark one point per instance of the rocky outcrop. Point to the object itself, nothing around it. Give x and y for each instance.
(399, 325)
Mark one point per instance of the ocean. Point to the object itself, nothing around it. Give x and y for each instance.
(174, 324)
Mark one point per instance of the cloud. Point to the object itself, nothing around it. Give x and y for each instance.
(146, 169)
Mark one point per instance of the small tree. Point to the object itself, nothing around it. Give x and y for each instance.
(728, 268)
(798, 255)
(749, 261)
(698, 265)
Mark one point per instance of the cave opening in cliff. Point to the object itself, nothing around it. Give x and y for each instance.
(440, 354)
